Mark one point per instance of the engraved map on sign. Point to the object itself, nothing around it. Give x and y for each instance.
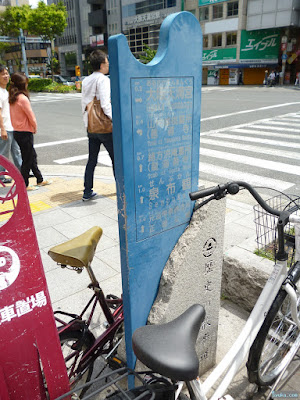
(162, 114)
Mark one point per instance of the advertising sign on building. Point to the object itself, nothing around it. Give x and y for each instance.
(207, 2)
(97, 40)
(219, 55)
(260, 46)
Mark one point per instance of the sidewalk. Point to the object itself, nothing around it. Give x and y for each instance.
(59, 214)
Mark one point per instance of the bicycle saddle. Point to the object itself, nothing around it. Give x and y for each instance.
(77, 252)
(169, 349)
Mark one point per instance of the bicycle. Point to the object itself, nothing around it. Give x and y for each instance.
(274, 321)
(79, 345)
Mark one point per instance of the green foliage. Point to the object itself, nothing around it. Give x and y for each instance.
(59, 88)
(47, 85)
(269, 254)
(14, 18)
(37, 85)
(149, 54)
(53, 66)
(47, 20)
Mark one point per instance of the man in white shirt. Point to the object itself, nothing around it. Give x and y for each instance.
(7, 141)
(97, 84)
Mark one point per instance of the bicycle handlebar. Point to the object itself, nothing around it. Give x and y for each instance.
(233, 188)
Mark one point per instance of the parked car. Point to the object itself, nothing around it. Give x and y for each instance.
(61, 79)
(34, 77)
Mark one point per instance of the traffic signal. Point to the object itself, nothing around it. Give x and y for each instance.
(77, 70)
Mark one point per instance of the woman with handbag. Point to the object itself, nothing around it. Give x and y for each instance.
(97, 117)
(24, 123)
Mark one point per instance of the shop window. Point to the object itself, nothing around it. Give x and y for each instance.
(203, 14)
(218, 11)
(205, 41)
(217, 40)
(232, 9)
(231, 38)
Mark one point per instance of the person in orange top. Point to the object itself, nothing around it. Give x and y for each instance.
(24, 123)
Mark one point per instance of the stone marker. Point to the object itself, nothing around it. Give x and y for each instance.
(192, 275)
(156, 118)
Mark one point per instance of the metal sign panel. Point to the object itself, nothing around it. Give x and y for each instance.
(156, 117)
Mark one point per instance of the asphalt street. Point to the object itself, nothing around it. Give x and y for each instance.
(247, 133)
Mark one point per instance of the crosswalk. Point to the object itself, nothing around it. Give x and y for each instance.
(210, 89)
(263, 153)
(54, 97)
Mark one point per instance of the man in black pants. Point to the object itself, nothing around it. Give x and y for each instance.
(97, 84)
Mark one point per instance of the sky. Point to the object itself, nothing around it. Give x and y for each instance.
(34, 3)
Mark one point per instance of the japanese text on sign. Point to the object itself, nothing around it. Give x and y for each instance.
(22, 307)
(162, 131)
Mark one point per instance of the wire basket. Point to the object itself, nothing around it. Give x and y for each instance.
(266, 226)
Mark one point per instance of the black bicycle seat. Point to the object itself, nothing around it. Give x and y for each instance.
(77, 252)
(169, 349)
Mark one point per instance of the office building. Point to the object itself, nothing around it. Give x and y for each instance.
(243, 38)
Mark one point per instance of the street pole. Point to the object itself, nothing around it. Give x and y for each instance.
(22, 40)
(78, 35)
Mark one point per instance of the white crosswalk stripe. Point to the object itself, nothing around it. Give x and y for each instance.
(210, 89)
(264, 153)
(54, 97)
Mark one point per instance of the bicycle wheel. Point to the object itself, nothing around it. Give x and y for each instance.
(271, 349)
(74, 344)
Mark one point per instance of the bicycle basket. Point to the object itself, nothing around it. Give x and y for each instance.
(265, 223)
(113, 386)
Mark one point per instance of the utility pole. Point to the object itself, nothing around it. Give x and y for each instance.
(22, 40)
(78, 34)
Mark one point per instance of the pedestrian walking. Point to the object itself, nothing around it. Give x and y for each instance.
(97, 84)
(297, 81)
(266, 77)
(281, 76)
(216, 77)
(7, 141)
(240, 78)
(25, 126)
(272, 78)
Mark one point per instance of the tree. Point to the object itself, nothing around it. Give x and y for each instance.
(12, 19)
(148, 56)
(46, 21)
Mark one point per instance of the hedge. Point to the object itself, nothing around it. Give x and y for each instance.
(47, 85)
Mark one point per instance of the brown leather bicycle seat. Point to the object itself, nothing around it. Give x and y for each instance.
(77, 252)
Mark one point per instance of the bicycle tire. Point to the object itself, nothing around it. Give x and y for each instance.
(269, 353)
(67, 339)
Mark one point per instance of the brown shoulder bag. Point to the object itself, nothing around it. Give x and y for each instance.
(98, 121)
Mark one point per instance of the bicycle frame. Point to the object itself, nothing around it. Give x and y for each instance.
(234, 358)
(114, 320)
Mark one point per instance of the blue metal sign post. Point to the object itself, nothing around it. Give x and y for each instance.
(156, 119)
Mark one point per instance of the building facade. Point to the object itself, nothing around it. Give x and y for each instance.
(242, 39)
(141, 21)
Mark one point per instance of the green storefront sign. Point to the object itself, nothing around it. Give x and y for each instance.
(210, 56)
(260, 45)
(207, 2)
